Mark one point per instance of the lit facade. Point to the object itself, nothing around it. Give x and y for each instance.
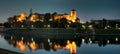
(105, 24)
(34, 18)
(22, 17)
(71, 17)
(40, 17)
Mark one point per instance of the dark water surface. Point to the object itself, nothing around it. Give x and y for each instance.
(78, 45)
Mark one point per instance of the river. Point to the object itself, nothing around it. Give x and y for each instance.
(77, 45)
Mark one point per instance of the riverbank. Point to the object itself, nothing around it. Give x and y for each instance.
(100, 31)
(65, 32)
(4, 51)
(62, 33)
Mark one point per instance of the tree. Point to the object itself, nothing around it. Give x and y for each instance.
(7, 25)
(104, 23)
(10, 20)
(47, 17)
(53, 15)
(15, 18)
(38, 24)
(63, 23)
(77, 20)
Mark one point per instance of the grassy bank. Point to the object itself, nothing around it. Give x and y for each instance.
(63, 31)
(44, 32)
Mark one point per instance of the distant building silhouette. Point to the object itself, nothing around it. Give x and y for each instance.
(115, 23)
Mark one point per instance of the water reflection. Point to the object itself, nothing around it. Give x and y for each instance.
(116, 39)
(71, 46)
(21, 45)
(36, 43)
(41, 43)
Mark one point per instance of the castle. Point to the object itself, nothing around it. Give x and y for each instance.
(33, 17)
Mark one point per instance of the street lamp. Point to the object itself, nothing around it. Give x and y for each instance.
(22, 26)
(83, 26)
(90, 26)
(32, 26)
(116, 26)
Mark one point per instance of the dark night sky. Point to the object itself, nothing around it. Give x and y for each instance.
(86, 9)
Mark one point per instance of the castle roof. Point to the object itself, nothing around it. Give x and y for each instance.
(73, 10)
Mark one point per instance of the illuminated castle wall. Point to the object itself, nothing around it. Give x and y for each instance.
(22, 17)
(59, 16)
(34, 17)
(71, 17)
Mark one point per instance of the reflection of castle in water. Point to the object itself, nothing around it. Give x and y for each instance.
(45, 43)
(41, 43)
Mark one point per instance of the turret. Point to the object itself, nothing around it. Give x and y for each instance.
(31, 11)
(73, 15)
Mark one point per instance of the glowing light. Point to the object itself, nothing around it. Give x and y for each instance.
(50, 43)
(50, 19)
(90, 26)
(22, 17)
(71, 17)
(33, 46)
(119, 28)
(34, 18)
(108, 41)
(116, 39)
(32, 26)
(22, 38)
(83, 26)
(71, 46)
(48, 40)
(21, 45)
(68, 25)
(68, 44)
(32, 39)
(57, 46)
(22, 26)
(89, 39)
(19, 19)
(11, 37)
(90, 42)
(48, 26)
(83, 40)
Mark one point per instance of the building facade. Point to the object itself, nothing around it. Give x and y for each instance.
(33, 17)
(106, 23)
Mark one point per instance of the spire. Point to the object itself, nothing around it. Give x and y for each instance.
(31, 11)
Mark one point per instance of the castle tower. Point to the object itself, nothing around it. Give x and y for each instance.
(73, 15)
